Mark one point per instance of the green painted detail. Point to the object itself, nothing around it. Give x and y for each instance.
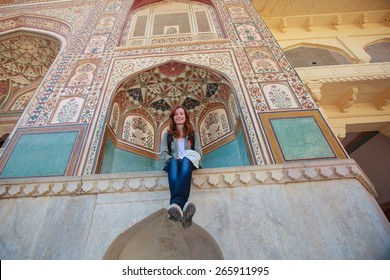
(231, 154)
(120, 161)
(41, 154)
(301, 138)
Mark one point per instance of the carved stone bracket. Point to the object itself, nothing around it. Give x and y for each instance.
(385, 130)
(362, 20)
(348, 100)
(315, 90)
(231, 177)
(383, 100)
(336, 22)
(283, 25)
(386, 19)
(340, 131)
(309, 24)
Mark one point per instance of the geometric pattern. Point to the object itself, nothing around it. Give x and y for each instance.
(25, 57)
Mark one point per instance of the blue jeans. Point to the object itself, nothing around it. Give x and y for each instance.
(179, 178)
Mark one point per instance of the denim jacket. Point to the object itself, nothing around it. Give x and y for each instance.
(165, 156)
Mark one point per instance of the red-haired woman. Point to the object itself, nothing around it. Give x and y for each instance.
(181, 152)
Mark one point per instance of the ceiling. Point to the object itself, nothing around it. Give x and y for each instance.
(281, 8)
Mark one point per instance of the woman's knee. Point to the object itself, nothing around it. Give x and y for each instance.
(186, 164)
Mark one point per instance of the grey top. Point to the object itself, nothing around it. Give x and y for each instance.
(165, 156)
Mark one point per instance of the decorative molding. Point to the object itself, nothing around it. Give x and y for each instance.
(172, 44)
(283, 25)
(26, 2)
(309, 24)
(362, 20)
(255, 175)
(344, 73)
(315, 90)
(336, 22)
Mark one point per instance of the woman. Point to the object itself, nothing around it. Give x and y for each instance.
(177, 151)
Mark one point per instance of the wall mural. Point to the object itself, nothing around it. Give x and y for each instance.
(146, 100)
(68, 110)
(214, 126)
(26, 57)
(87, 83)
(84, 73)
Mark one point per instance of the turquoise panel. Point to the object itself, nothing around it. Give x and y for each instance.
(301, 138)
(120, 161)
(41, 154)
(108, 158)
(231, 154)
(242, 149)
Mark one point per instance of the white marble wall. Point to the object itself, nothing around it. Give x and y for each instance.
(323, 219)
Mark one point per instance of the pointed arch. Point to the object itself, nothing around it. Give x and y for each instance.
(29, 46)
(148, 96)
(35, 23)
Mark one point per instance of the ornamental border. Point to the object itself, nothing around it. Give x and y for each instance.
(231, 177)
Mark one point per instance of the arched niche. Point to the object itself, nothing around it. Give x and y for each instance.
(158, 238)
(139, 115)
(26, 55)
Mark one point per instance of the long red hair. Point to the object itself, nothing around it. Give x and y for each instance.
(188, 127)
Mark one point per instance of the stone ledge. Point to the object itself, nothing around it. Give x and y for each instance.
(345, 73)
(305, 171)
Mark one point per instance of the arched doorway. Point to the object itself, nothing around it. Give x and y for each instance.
(139, 112)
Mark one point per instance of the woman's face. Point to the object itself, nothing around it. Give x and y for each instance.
(179, 117)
